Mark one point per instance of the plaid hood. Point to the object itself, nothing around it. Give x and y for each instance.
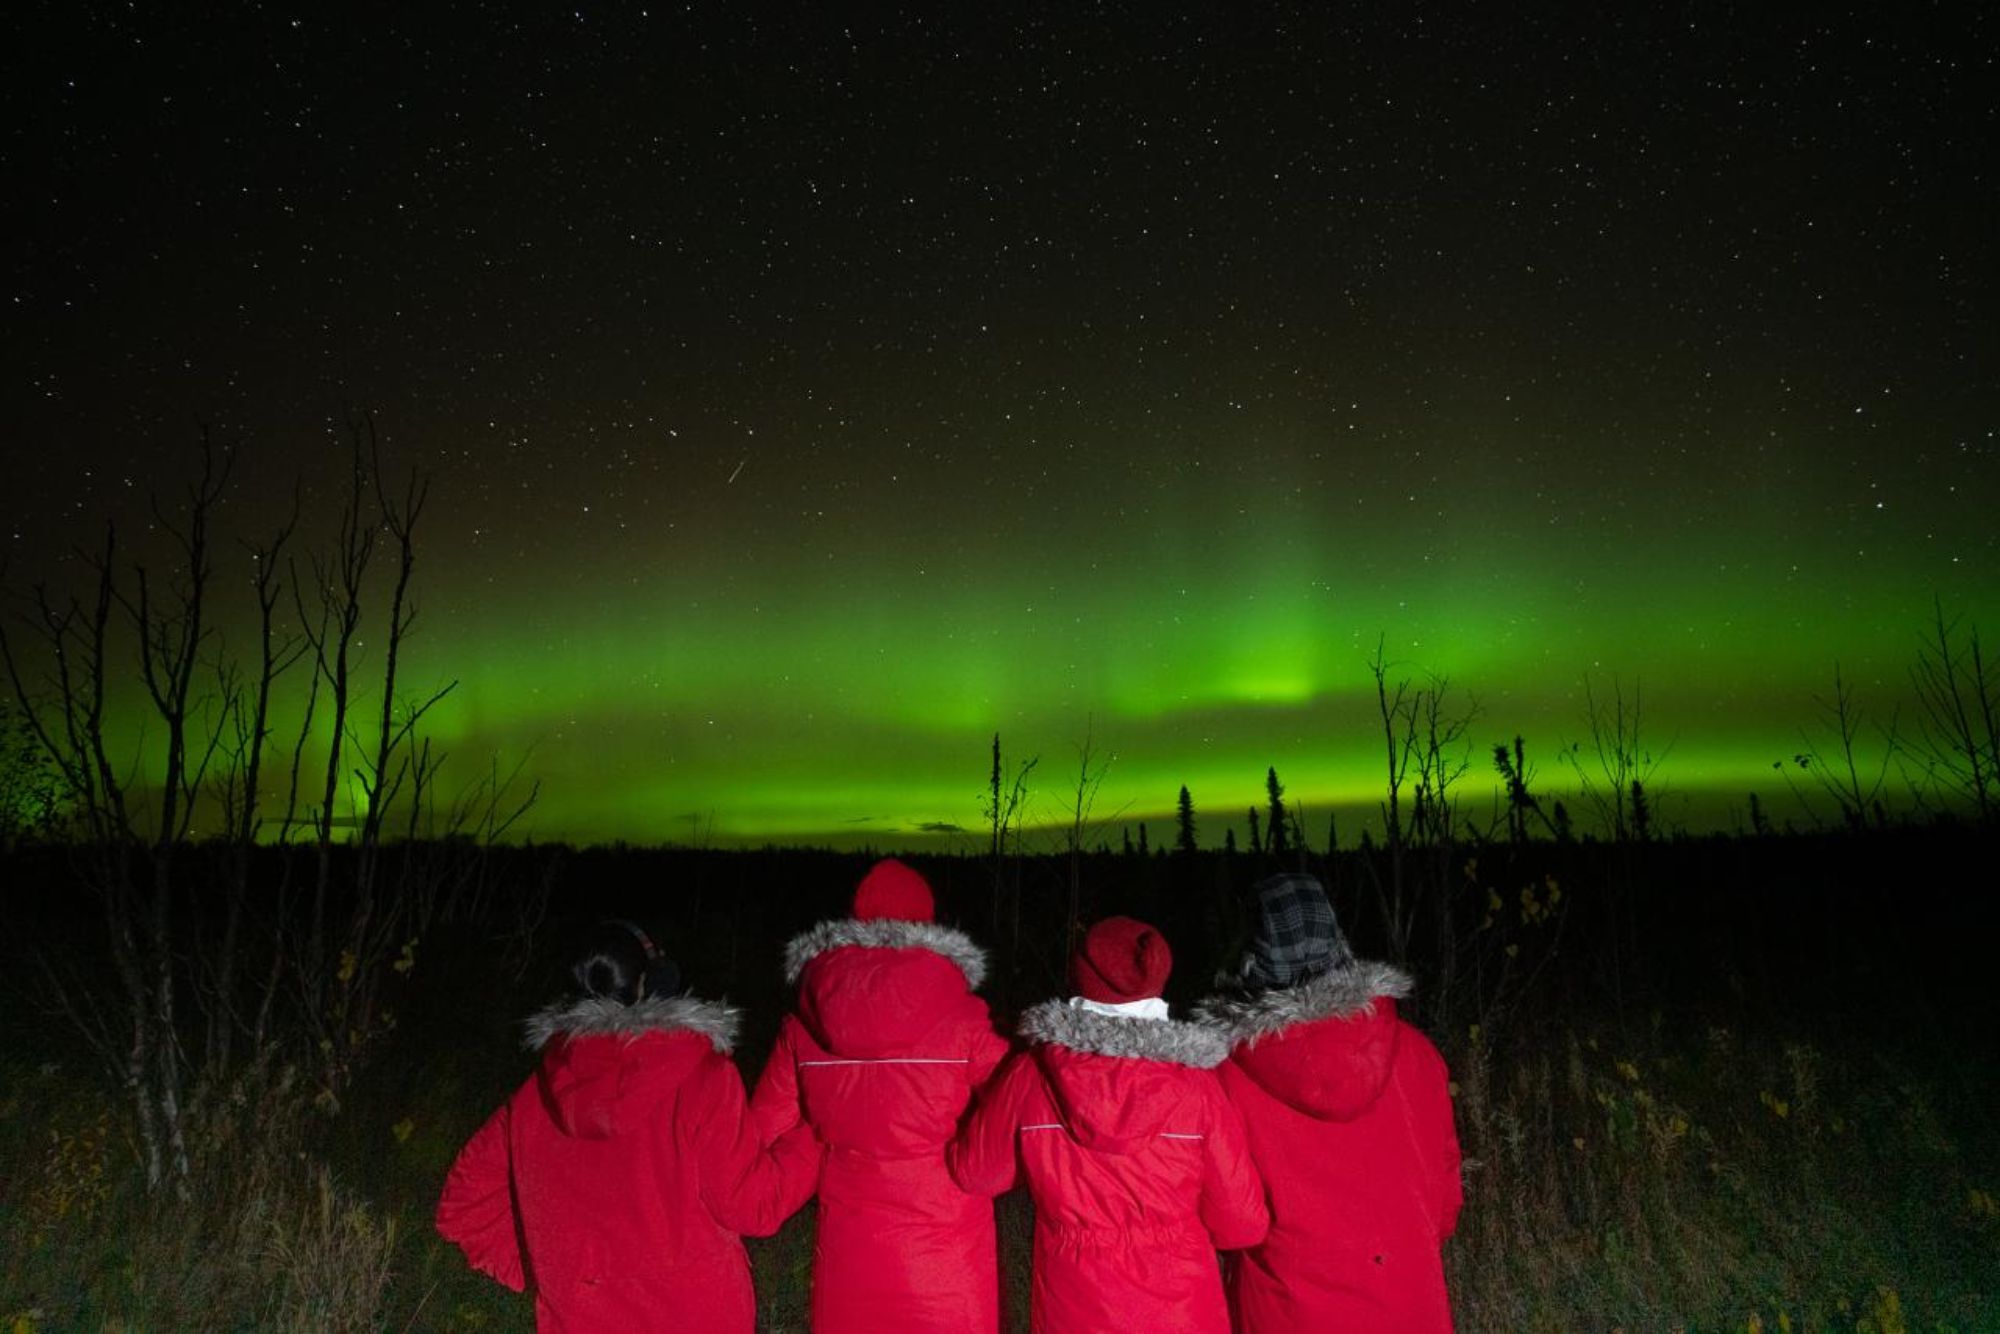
(1297, 937)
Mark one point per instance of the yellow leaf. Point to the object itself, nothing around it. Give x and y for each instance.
(347, 963)
(401, 1130)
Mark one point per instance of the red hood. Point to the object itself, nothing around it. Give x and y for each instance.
(1118, 1082)
(606, 1067)
(1333, 1069)
(877, 988)
(1324, 1047)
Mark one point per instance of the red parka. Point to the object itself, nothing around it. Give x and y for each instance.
(616, 1180)
(1349, 1114)
(1137, 1164)
(881, 1060)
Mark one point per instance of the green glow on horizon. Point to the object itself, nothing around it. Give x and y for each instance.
(797, 420)
(735, 681)
(783, 712)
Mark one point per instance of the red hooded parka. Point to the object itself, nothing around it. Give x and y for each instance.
(881, 1060)
(1137, 1164)
(617, 1179)
(1349, 1114)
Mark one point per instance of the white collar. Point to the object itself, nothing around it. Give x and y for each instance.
(1152, 1007)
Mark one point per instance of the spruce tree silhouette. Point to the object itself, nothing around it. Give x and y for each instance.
(1276, 836)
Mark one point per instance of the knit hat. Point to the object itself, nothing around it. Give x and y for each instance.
(1122, 959)
(1297, 935)
(891, 889)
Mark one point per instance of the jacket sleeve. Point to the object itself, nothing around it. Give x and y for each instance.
(775, 1105)
(1440, 1149)
(982, 1159)
(747, 1187)
(988, 1049)
(476, 1210)
(1232, 1194)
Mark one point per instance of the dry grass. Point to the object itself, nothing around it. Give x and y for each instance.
(1682, 1181)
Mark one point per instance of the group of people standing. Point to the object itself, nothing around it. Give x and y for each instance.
(1294, 1124)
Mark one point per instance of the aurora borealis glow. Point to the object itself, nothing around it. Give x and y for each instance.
(811, 397)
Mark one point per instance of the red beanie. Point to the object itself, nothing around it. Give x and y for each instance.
(891, 889)
(1122, 960)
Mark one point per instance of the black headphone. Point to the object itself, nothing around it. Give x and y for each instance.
(663, 975)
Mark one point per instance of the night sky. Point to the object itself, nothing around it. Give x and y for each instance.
(811, 394)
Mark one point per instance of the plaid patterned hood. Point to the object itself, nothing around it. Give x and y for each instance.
(1297, 937)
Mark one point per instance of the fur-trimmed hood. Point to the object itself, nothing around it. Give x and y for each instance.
(606, 1067)
(879, 988)
(595, 1016)
(1117, 1083)
(1058, 1023)
(886, 934)
(1324, 1047)
(1339, 993)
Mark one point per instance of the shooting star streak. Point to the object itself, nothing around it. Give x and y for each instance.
(739, 468)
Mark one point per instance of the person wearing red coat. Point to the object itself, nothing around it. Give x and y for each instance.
(881, 1060)
(1136, 1160)
(1349, 1113)
(615, 1182)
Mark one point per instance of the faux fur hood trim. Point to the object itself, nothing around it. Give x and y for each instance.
(596, 1016)
(886, 934)
(1171, 1040)
(1339, 993)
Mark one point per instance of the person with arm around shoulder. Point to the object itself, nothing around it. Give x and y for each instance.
(617, 1182)
(888, 1045)
(1348, 1109)
(1135, 1159)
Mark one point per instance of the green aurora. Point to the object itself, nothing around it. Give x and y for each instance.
(808, 400)
(792, 697)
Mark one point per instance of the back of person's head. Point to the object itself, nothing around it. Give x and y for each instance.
(1298, 937)
(1120, 960)
(894, 891)
(617, 960)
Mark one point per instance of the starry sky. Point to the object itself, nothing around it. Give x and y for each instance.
(813, 391)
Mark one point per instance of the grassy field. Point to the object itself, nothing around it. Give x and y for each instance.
(1739, 1085)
